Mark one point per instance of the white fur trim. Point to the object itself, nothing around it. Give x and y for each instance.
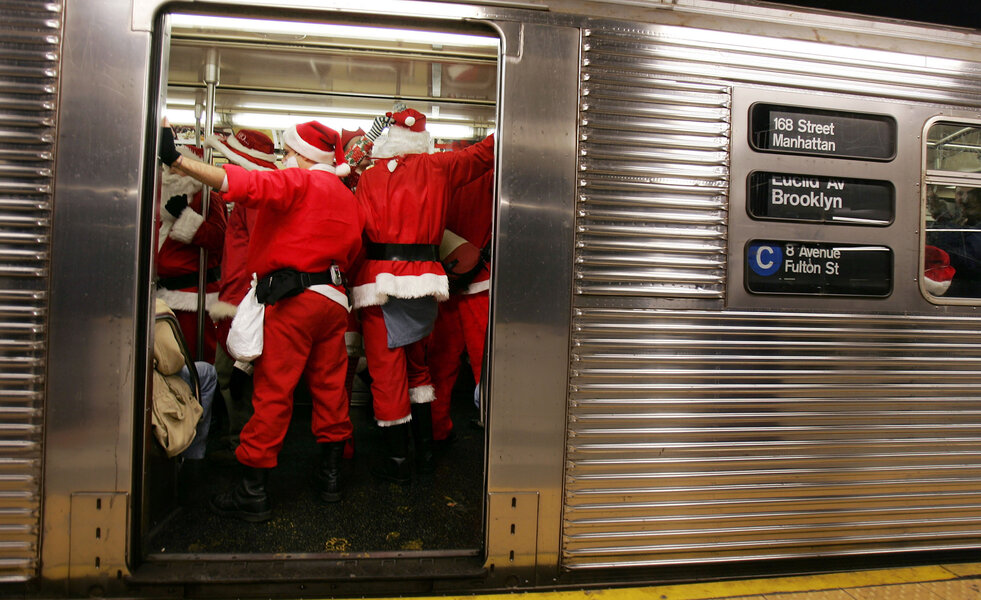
(186, 301)
(173, 184)
(477, 287)
(423, 394)
(331, 293)
(936, 288)
(222, 310)
(330, 169)
(164, 231)
(306, 149)
(215, 142)
(404, 419)
(402, 286)
(186, 226)
(401, 141)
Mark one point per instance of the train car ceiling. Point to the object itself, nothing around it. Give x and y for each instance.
(273, 74)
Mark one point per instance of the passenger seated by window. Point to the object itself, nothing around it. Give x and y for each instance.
(962, 242)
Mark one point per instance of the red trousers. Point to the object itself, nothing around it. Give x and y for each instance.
(302, 336)
(461, 326)
(399, 376)
(189, 327)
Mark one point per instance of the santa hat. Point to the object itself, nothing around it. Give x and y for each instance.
(347, 136)
(937, 272)
(319, 143)
(249, 149)
(406, 135)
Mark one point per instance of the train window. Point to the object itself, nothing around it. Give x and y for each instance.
(226, 76)
(951, 256)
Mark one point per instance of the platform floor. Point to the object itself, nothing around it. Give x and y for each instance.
(937, 582)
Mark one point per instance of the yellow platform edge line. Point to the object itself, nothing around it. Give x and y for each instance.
(736, 588)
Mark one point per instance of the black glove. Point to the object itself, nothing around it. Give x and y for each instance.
(176, 205)
(168, 149)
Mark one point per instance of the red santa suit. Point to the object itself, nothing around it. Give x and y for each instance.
(308, 221)
(179, 244)
(254, 151)
(405, 200)
(461, 325)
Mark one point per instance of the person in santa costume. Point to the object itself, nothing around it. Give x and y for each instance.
(404, 198)
(307, 233)
(182, 232)
(461, 325)
(254, 151)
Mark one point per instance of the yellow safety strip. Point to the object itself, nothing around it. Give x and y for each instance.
(750, 587)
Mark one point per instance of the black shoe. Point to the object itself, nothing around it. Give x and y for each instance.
(440, 446)
(328, 475)
(422, 435)
(394, 466)
(248, 501)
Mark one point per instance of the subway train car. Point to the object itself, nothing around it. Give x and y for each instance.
(734, 316)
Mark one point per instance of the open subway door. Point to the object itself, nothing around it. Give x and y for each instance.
(224, 74)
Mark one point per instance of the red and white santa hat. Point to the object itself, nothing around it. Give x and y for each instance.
(317, 142)
(937, 272)
(249, 149)
(406, 135)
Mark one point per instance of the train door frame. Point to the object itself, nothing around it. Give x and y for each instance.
(529, 343)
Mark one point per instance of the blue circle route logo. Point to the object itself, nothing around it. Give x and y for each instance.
(765, 259)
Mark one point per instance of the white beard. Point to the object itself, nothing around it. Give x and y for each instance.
(401, 141)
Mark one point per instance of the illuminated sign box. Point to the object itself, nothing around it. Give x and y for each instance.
(818, 132)
(820, 199)
(814, 268)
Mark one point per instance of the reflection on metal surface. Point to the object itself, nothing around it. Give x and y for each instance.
(702, 436)
(27, 124)
(651, 217)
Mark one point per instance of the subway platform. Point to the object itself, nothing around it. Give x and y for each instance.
(959, 581)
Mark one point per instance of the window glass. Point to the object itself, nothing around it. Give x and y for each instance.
(954, 147)
(952, 258)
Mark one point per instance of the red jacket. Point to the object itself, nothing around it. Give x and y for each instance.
(180, 241)
(469, 216)
(307, 219)
(235, 279)
(407, 205)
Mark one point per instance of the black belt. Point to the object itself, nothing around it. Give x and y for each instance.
(407, 252)
(286, 283)
(187, 280)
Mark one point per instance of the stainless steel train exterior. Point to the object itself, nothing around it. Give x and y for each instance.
(647, 408)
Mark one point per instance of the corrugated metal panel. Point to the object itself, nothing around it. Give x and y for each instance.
(29, 61)
(703, 435)
(651, 210)
(707, 436)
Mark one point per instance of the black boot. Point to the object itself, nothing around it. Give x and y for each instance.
(248, 501)
(328, 476)
(422, 433)
(395, 464)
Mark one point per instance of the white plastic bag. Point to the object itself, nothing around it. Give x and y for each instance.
(245, 336)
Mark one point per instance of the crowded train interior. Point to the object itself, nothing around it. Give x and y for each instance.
(224, 74)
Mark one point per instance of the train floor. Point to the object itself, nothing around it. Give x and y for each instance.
(441, 511)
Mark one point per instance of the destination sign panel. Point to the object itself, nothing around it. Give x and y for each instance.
(794, 130)
(813, 268)
(820, 199)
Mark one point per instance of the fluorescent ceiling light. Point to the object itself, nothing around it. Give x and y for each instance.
(179, 116)
(280, 122)
(337, 31)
